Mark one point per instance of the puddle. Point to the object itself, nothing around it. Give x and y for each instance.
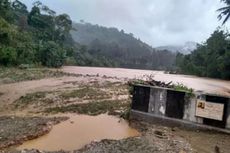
(80, 130)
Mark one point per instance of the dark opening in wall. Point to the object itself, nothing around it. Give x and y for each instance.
(216, 123)
(175, 104)
(141, 98)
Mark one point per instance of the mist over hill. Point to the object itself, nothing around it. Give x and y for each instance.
(119, 48)
(187, 48)
(87, 33)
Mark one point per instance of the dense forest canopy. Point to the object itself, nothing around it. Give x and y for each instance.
(35, 37)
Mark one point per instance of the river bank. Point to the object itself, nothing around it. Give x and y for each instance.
(93, 92)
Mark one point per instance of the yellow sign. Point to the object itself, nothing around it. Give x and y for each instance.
(210, 110)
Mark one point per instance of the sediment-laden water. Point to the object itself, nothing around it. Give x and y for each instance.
(80, 130)
(216, 86)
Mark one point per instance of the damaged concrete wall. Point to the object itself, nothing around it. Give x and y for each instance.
(157, 101)
(141, 98)
(175, 104)
(168, 103)
(190, 110)
(228, 116)
(217, 107)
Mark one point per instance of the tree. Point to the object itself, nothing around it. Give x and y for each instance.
(38, 36)
(52, 55)
(8, 55)
(63, 25)
(6, 10)
(20, 14)
(19, 7)
(210, 59)
(224, 11)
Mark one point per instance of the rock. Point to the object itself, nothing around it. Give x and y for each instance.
(174, 128)
(217, 149)
(182, 151)
(160, 134)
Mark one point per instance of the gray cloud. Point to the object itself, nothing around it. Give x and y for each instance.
(157, 22)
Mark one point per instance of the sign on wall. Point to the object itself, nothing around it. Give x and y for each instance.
(209, 110)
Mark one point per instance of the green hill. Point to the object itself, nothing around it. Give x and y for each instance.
(120, 48)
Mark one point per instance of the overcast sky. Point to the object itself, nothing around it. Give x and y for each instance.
(156, 22)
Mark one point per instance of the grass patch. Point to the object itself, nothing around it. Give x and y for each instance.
(109, 84)
(151, 82)
(10, 75)
(183, 88)
(86, 92)
(92, 108)
(49, 98)
(29, 99)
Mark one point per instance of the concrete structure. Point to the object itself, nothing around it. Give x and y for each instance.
(200, 110)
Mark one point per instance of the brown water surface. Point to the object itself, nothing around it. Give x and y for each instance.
(215, 86)
(80, 130)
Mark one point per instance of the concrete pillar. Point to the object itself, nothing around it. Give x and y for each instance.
(157, 101)
(190, 108)
(228, 118)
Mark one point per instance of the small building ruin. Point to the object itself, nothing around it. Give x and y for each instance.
(180, 108)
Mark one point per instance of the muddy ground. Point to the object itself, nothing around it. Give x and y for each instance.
(28, 96)
(15, 130)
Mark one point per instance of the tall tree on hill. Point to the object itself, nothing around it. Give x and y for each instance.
(224, 11)
(6, 10)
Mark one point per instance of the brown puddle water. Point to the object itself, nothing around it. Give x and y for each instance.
(80, 130)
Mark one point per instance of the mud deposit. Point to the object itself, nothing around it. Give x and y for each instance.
(80, 130)
(92, 91)
(15, 130)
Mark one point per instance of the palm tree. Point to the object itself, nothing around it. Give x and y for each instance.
(224, 11)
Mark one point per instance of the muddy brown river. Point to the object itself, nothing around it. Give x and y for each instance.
(216, 86)
(80, 130)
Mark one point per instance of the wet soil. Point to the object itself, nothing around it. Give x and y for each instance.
(153, 139)
(35, 96)
(206, 142)
(91, 98)
(81, 130)
(94, 91)
(15, 130)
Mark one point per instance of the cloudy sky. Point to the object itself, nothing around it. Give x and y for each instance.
(157, 22)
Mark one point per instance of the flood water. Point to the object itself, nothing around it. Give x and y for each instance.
(80, 130)
(215, 86)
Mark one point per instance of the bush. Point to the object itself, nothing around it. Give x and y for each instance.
(52, 55)
(8, 56)
(70, 61)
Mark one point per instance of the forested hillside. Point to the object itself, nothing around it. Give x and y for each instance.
(40, 36)
(120, 48)
(211, 59)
